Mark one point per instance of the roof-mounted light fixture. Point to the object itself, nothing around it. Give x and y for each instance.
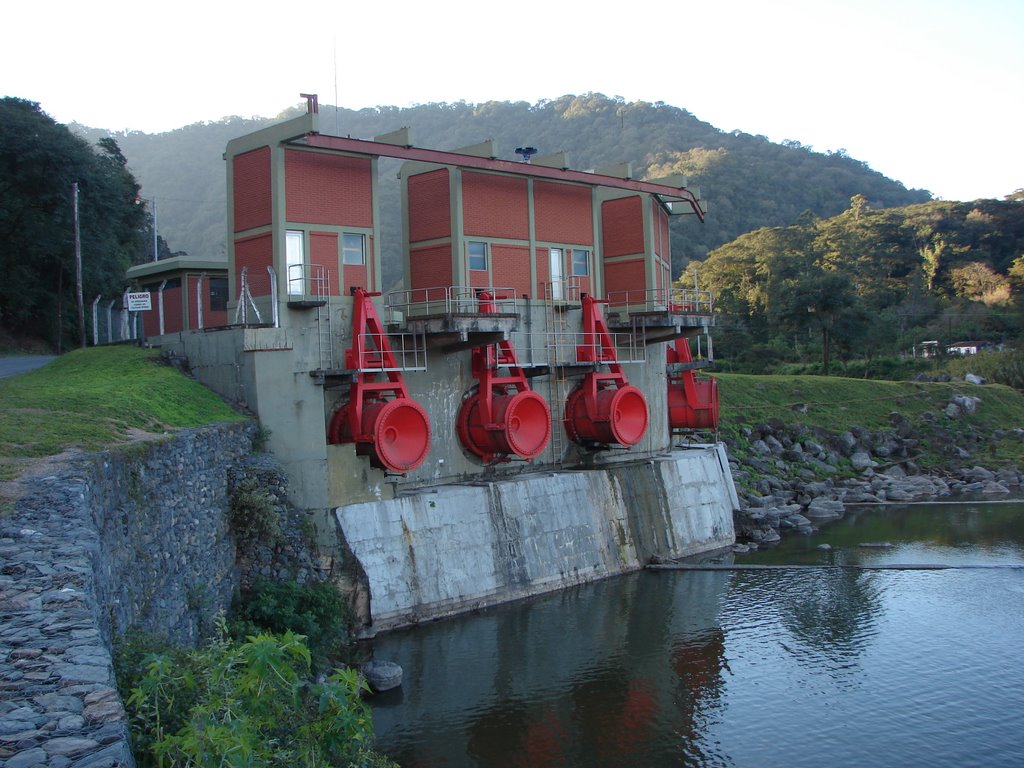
(526, 152)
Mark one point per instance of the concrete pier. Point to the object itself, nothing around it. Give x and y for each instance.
(454, 548)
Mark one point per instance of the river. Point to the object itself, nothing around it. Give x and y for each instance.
(831, 665)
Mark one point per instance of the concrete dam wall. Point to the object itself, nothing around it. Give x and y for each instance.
(449, 549)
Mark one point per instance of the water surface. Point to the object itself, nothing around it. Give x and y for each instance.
(792, 667)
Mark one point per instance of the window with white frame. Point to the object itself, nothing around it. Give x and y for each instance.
(295, 259)
(353, 249)
(476, 256)
(580, 262)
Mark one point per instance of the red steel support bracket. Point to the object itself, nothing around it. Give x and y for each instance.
(605, 409)
(504, 416)
(379, 416)
(692, 404)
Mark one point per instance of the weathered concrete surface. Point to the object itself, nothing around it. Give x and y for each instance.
(456, 548)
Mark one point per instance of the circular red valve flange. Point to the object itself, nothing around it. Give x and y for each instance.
(398, 433)
(520, 425)
(618, 415)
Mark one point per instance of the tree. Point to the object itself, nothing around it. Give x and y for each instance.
(821, 298)
(39, 162)
(977, 281)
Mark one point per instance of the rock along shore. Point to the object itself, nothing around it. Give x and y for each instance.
(792, 479)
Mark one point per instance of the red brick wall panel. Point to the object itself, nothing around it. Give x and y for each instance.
(429, 206)
(622, 226)
(662, 245)
(479, 278)
(543, 271)
(495, 206)
(256, 253)
(624, 276)
(323, 252)
(328, 189)
(430, 267)
(251, 186)
(510, 268)
(355, 275)
(563, 213)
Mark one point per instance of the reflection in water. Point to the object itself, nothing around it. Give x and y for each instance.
(829, 614)
(788, 668)
(602, 676)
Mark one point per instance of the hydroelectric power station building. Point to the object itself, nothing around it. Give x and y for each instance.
(504, 423)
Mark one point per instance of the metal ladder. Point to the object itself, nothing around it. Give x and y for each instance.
(325, 336)
(557, 340)
(320, 290)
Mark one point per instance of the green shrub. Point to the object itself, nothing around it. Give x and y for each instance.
(249, 704)
(314, 610)
(998, 367)
(253, 514)
(261, 439)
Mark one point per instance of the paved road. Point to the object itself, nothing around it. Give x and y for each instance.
(10, 366)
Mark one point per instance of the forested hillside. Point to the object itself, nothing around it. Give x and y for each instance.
(869, 282)
(747, 181)
(41, 161)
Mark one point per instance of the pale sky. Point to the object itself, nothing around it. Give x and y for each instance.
(928, 92)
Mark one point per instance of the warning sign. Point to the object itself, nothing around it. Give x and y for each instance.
(139, 302)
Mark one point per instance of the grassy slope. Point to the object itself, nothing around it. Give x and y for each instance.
(837, 404)
(92, 398)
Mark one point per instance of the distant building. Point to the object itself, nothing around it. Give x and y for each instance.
(186, 294)
(965, 348)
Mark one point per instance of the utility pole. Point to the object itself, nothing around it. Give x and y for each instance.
(78, 270)
(156, 252)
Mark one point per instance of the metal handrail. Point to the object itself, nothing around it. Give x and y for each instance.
(409, 351)
(683, 301)
(447, 300)
(309, 280)
(565, 348)
(567, 290)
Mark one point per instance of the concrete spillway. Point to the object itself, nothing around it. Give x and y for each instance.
(459, 547)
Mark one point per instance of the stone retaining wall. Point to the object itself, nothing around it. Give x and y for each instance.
(131, 539)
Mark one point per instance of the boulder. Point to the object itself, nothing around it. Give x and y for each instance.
(761, 447)
(382, 675)
(975, 474)
(972, 378)
(825, 509)
(813, 448)
(846, 443)
(861, 461)
(966, 403)
(898, 493)
(992, 488)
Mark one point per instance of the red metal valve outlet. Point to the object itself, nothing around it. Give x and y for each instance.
(692, 403)
(520, 425)
(616, 416)
(379, 416)
(605, 409)
(504, 417)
